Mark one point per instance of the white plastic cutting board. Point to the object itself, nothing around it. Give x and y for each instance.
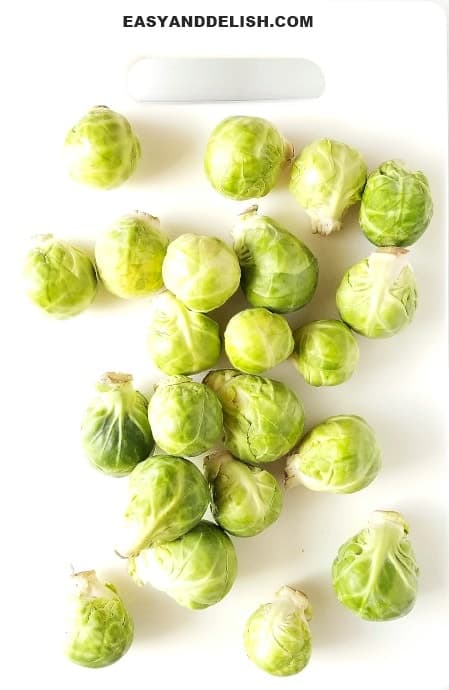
(386, 94)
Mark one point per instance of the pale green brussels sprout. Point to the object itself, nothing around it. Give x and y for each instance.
(375, 574)
(202, 271)
(197, 570)
(59, 278)
(256, 340)
(185, 416)
(327, 178)
(101, 149)
(244, 156)
(245, 499)
(181, 341)
(396, 205)
(377, 296)
(167, 496)
(100, 628)
(115, 431)
(341, 455)
(129, 255)
(278, 271)
(277, 635)
(263, 419)
(325, 352)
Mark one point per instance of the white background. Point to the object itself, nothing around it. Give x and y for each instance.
(384, 65)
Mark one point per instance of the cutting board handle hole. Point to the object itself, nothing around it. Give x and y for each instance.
(210, 79)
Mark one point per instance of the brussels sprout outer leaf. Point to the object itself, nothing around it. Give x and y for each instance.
(167, 497)
(277, 636)
(245, 499)
(327, 178)
(279, 271)
(244, 156)
(201, 271)
(115, 431)
(129, 255)
(375, 572)
(263, 419)
(181, 341)
(396, 205)
(377, 296)
(197, 570)
(340, 455)
(101, 149)
(59, 278)
(186, 417)
(101, 629)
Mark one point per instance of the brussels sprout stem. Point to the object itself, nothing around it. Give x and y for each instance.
(214, 462)
(381, 517)
(154, 220)
(87, 584)
(325, 226)
(388, 263)
(113, 378)
(291, 478)
(296, 598)
(289, 151)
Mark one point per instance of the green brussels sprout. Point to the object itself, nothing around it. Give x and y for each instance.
(197, 570)
(244, 156)
(396, 205)
(245, 499)
(101, 149)
(327, 178)
(256, 340)
(59, 278)
(341, 455)
(278, 271)
(377, 296)
(203, 272)
(181, 341)
(277, 635)
(263, 419)
(101, 629)
(167, 496)
(375, 572)
(325, 353)
(185, 416)
(115, 431)
(129, 255)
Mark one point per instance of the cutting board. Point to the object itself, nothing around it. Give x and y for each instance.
(384, 66)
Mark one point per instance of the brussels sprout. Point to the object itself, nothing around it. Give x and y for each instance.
(327, 178)
(377, 296)
(115, 431)
(256, 340)
(101, 629)
(129, 255)
(101, 149)
(186, 416)
(341, 455)
(244, 157)
(375, 572)
(263, 419)
(60, 279)
(325, 353)
(197, 570)
(245, 499)
(203, 272)
(396, 205)
(277, 635)
(181, 341)
(278, 271)
(167, 497)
